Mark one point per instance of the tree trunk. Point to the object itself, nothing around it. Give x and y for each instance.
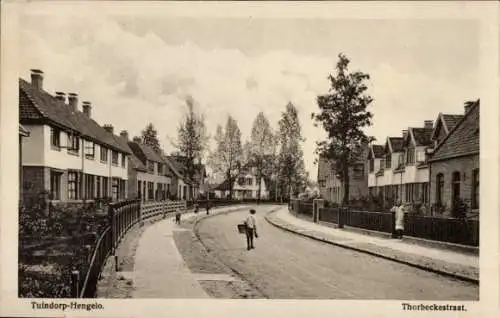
(230, 186)
(259, 180)
(345, 178)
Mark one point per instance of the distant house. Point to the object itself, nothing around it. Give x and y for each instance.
(375, 160)
(68, 155)
(454, 163)
(245, 186)
(191, 189)
(150, 179)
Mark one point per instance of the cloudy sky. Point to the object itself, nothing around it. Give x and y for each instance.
(139, 69)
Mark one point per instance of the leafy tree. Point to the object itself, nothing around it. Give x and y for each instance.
(149, 136)
(291, 161)
(227, 156)
(260, 149)
(343, 115)
(192, 140)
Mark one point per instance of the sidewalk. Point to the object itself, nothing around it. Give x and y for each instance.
(451, 263)
(159, 270)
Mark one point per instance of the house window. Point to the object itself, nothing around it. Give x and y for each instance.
(104, 154)
(249, 181)
(98, 186)
(122, 189)
(105, 187)
(55, 185)
(388, 160)
(439, 188)
(115, 188)
(89, 149)
(410, 155)
(372, 165)
(73, 185)
(55, 137)
(139, 189)
(151, 186)
(89, 186)
(475, 189)
(358, 171)
(151, 167)
(425, 192)
(124, 160)
(160, 169)
(114, 158)
(75, 144)
(382, 164)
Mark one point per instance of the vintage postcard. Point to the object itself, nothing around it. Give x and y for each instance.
(249, 158)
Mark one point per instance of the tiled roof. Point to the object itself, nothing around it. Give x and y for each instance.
(463, 139)
(451, 120)
(422, 136)
(136, 163)
(36, 104)
(145, 151)
(396, 143)
(378, 151)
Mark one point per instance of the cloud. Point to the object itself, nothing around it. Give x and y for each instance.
(134, 79)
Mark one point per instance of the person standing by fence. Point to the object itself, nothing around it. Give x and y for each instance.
(399, 217)
(178, 214)
(251, 229)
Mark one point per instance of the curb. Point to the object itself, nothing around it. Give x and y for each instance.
(237, 273)
(395, 259)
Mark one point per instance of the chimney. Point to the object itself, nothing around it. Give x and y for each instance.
(124, 134)
(108, 128)
(405, 134)
(60, 96)
(73, 101)
(428, 124)
(87, 108)
(37, 79)
(137, 140)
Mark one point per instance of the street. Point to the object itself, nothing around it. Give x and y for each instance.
(285, 265)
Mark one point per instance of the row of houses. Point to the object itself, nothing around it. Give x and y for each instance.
(67, 155)
(436, 165)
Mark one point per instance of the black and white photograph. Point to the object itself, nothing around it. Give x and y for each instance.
(247, 156)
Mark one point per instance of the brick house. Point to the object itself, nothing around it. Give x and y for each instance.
(69, 156)
(331, 188)
(149, 177)
(454, 164)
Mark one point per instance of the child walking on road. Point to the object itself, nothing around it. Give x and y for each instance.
(251, 229)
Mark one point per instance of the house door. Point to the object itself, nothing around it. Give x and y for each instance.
(455, 188)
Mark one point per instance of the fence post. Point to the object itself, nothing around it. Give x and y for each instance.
(111, 215)
(317, 205)
(393, 224)
(141, 222)
(75, 278)
(341, 217)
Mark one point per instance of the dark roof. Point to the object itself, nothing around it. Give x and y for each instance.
(137, 164)
(451, 120)
(462, 140)
(396, 143)
(23, 132)
(422, 136)
(145, 152)
(36, 104)
(378, 151)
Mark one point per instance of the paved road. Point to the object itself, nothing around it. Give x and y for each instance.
(285, 265)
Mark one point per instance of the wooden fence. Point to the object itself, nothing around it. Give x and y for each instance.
(122, 216)
(449, 230)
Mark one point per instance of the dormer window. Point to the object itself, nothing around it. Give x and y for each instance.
(410, 155)
(388, 160)
(114, 157)
(151, 167)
